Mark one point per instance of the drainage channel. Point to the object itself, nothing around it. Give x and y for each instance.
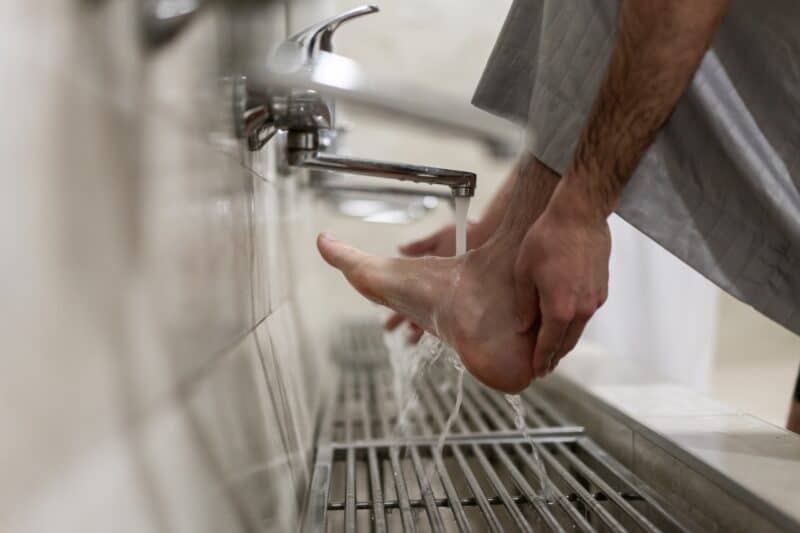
(368, 478)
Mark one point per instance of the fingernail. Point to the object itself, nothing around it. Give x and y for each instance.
(325, 236)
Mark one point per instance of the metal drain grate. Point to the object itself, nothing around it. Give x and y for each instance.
(366, 478)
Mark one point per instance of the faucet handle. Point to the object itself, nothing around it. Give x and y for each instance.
(323, 31)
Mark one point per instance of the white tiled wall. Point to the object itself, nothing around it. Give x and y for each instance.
(156, 376)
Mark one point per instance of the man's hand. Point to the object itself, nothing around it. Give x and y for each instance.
(561, 274)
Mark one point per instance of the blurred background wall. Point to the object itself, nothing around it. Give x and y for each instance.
(164, 313)
(156, 375)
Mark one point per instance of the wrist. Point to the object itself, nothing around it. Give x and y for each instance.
(576, 197)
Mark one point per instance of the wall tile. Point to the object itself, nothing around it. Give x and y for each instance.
(185, 478)
(196, 245)
(66, 231)
(261, 287)
(103, 490)
(183, 80)
(279, 266)
(95, 43)
(138, 395)
(285, 380)
(252, 32)
(274, 504)
(236, 420)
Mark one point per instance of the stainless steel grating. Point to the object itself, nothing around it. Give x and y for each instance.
(367, 478)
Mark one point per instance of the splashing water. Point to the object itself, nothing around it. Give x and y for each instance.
(456, 362)
(408, 361)
(515, 401)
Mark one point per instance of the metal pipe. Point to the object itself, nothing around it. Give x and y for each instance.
(303, 153)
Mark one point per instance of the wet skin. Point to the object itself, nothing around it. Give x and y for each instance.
(467, 301)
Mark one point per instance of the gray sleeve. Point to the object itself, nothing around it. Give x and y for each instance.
(505, 86)
(575, 42)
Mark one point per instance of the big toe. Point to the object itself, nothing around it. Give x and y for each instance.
(338, 254)
(363, 271)
(412, 287)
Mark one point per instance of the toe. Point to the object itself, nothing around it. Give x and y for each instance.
(362, 270)
(338, 254)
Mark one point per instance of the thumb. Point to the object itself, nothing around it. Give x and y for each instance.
(422, 246)
(526, 300)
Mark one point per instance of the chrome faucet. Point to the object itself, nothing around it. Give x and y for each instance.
(304, 153)
(308, 117)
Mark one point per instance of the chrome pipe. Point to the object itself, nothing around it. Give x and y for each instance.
(304, 153)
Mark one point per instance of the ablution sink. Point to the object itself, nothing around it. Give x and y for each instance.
(622, 453)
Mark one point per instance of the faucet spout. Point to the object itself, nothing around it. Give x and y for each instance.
(303, 153)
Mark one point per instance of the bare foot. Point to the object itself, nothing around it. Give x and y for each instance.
(468, 301)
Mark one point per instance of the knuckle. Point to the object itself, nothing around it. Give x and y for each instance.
(602, 297)
(562, 320)
(561, 312)
(585, 312)
(568, 349)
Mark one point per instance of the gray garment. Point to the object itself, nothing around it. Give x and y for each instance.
(720, 187)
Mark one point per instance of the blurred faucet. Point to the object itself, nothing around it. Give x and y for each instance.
(162, 20)
(287, 98)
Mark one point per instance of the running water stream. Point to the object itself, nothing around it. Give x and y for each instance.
(515, 401)
(461, 208)
(407, 362)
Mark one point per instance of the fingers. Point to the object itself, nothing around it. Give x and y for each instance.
(555, 322)
(526, 301)
(393, 321)
(571, 337)
(421, 247)
(566, 321)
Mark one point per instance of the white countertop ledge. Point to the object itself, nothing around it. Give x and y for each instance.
(735, 450)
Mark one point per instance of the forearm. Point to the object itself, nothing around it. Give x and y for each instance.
(525, 192)
(658, 47)
(495, 211)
